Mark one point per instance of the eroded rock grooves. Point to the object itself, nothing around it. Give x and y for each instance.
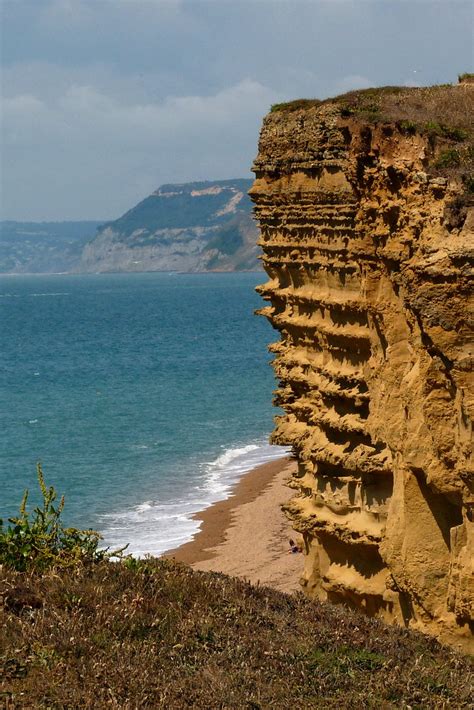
(369, 288)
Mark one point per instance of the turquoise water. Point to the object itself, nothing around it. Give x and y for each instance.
(145, 396)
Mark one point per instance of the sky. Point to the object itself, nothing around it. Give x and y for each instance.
(105, 100)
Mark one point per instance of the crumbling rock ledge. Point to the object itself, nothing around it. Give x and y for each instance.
(366, 231)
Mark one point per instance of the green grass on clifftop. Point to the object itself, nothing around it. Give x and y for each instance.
(148, 634)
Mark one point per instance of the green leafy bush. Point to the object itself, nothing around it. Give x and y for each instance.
(41, 541)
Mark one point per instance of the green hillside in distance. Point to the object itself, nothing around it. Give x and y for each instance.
(197, 226)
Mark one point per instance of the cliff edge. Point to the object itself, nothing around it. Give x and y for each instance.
(366, 212)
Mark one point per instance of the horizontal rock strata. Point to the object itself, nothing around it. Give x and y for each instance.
(369, 288)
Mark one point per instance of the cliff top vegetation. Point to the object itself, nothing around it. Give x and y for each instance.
(448, 104)
(444, 114)
(153, 633)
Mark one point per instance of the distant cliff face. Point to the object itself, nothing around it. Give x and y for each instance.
(366, 213)
(202, 226)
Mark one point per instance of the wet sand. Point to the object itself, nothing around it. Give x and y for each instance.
(247, 534)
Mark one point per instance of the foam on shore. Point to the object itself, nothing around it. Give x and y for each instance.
(154, 527)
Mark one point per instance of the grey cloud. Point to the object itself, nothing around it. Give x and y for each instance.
(105, 99)
(123, 150)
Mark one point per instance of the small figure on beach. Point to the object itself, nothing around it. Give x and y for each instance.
(294, 548)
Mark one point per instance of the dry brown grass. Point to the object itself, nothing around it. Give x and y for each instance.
(446, 104)
(156, 634)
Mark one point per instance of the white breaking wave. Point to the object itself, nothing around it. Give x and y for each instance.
(154, 527)
(231, 454)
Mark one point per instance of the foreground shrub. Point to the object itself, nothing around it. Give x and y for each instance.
(41, 542)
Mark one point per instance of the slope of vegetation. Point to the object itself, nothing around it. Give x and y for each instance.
(198, 226)
(154, 633)
(442, 104)
(177, 207)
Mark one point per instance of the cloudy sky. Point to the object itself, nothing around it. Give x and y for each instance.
(104, 100)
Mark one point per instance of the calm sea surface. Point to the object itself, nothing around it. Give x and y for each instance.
(145, 396)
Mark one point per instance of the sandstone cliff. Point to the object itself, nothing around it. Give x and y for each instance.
(366, 211)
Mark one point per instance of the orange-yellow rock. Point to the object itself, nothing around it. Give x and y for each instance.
(366, 219)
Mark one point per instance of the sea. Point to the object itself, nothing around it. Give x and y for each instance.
(145, 397)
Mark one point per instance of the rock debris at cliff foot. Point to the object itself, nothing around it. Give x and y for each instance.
(366, 212)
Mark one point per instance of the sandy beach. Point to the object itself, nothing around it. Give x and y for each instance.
(247, 534)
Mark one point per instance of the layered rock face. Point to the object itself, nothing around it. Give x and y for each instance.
(366, 246)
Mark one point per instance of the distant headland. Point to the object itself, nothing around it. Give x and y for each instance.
(193, 227)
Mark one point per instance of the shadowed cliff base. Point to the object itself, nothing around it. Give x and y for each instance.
(366, 212)
(153, 633)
